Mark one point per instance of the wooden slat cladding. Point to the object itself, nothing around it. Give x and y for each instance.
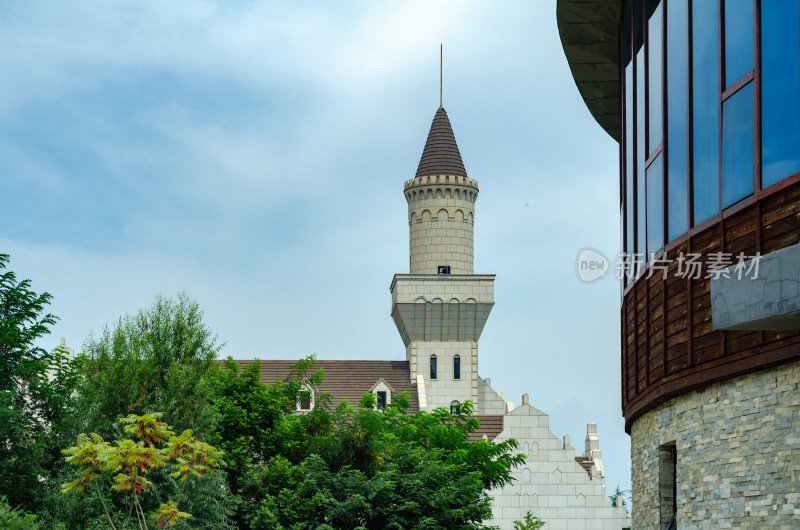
(669, 346)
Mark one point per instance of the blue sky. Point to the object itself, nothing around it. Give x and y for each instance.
(253, 155)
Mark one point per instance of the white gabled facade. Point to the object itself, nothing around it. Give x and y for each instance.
(551, 483)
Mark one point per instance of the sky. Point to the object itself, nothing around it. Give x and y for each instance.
(253, 154)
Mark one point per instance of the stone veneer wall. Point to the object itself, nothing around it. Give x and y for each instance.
(738, 454)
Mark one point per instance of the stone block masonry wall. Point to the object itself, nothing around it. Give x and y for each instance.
(444, 238)
(551, 484)
(737, 449)
(441, 214)
(441, 307)
(440, 392)
(489, 401)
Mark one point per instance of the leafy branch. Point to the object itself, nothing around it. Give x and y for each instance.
(154, 446)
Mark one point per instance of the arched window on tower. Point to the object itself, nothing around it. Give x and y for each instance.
(457, 367)
(454, 407)
(433, 367)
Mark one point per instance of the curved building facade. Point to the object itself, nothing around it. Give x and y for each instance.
(703, 97)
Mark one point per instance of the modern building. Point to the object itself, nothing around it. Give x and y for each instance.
(703, 97)
(440, 309)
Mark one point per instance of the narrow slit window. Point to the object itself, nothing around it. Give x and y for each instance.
(433, 367)
(457, 367)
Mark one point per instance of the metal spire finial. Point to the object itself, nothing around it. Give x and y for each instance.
(441, 57)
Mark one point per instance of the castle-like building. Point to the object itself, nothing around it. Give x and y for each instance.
(440, 310)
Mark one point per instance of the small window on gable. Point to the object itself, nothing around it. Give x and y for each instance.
(457, 367)
(306, 400)
(383, 394)
(454, 407)
(433, 367)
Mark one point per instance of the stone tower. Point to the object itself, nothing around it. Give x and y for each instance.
(441, 307)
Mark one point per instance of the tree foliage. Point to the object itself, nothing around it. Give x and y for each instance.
(154, 360)
(16, 519)
(353, 467)
(157, 360)
(128, 461)
(31, 410)
(21, 323)
(622, 495)
(255, 423)
(530, 522)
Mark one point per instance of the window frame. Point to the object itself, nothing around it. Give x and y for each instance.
(306, 390)
(455, 406)
(635, 19)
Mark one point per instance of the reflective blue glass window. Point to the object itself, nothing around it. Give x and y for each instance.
(654, 46)
(677, 109)
(780, 90)
(641, 156)
(737, 146)
(629, 169)
(655, 205)
(738, 39)
(705, 57)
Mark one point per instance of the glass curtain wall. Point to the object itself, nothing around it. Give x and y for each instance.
(711, 111)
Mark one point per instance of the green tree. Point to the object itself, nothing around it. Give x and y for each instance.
(622, 494)
(16, 519)
(27, 406)
(157, 360)
(153, 446)
(355, 467)
(255, 423)
(531, 522)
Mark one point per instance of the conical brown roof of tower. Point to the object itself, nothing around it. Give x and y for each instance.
(441, 155)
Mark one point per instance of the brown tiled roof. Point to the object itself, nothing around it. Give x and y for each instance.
(347, 379)
(585, 463)
(441, 155)
(491, 426)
